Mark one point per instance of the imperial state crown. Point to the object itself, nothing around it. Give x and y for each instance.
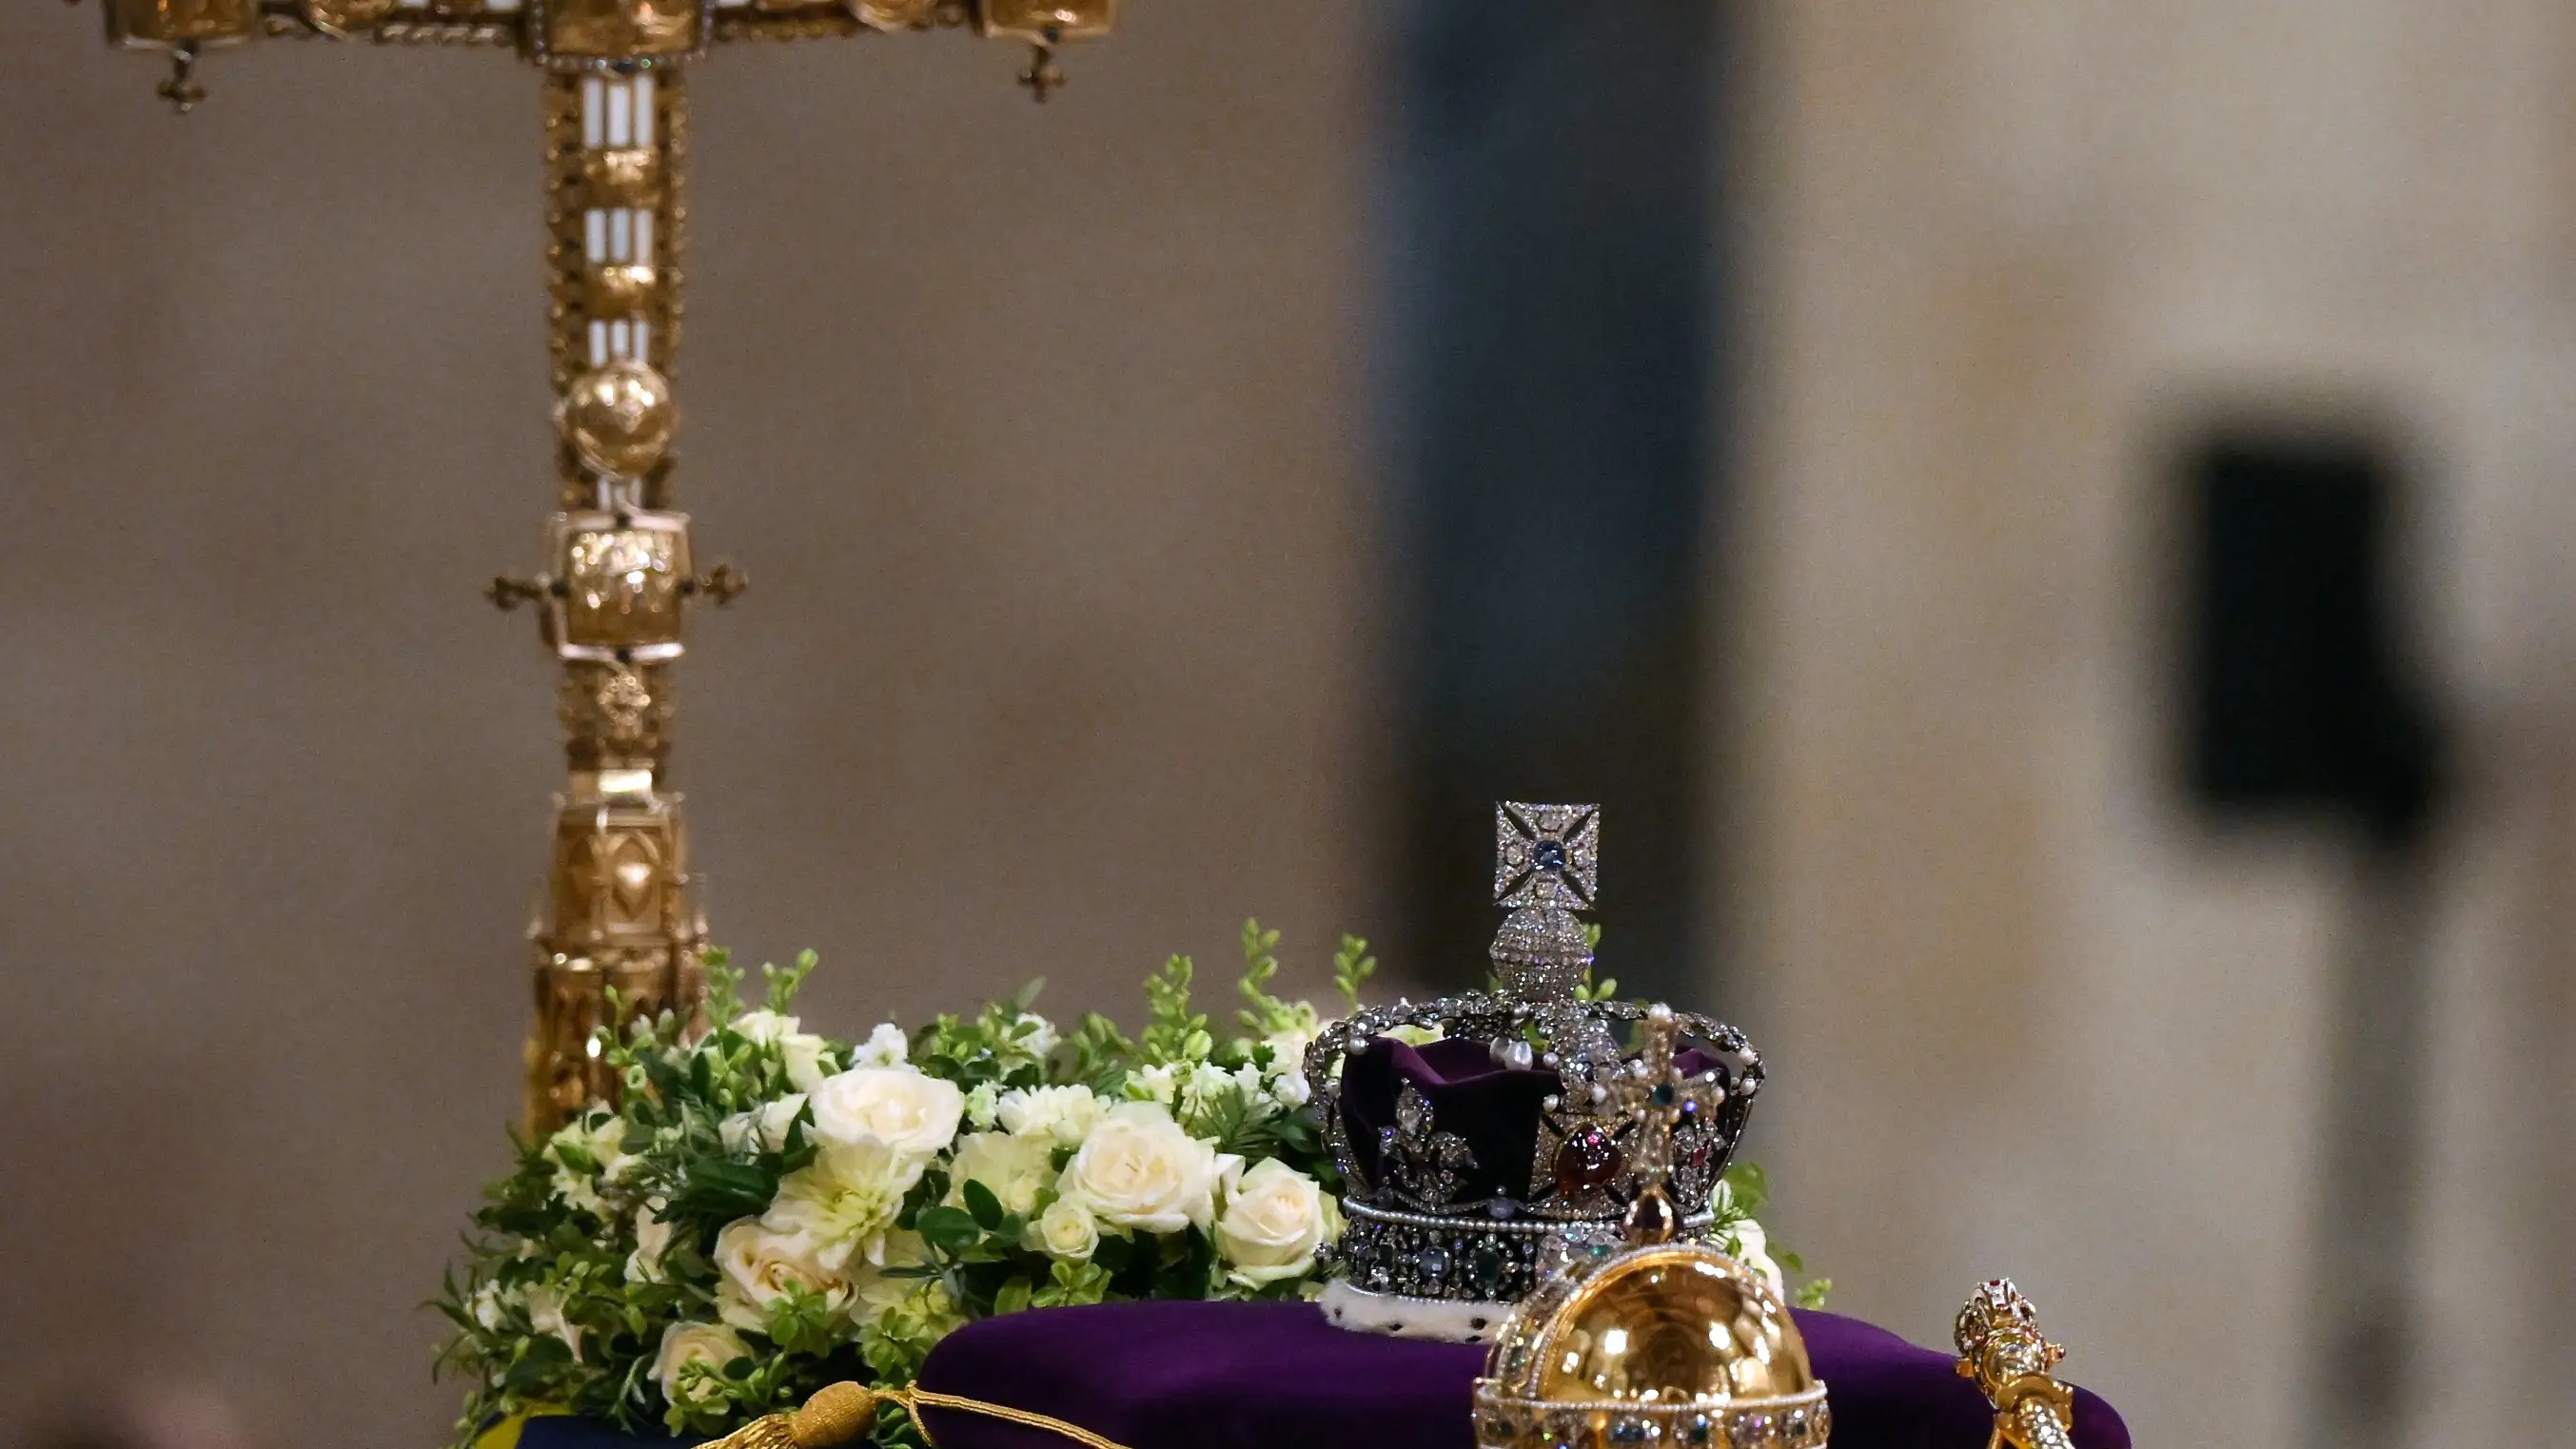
(1471, 1128)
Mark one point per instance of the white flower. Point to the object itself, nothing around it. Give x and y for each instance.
(1288, 1050)
(1013, 1168)
(1138, 1169)
(1749, 1245)
(801, 1052)
(710, 1344)
(1289, 1090)
(981, 1106)
(652, 1240)
(765, 1027)
(885, 1047)
(876, 1292)
(1034, 1035)
(759, 1264)
(901, 1108)
(1275, 1219)
(1151, 1084)
(487, 1307)
(1065, 1230)
(1207, 1083)
(546, 1316)
(578, 1144)
(1066, 1114)
(761, 1128)
(842, 1203)
(802, 1055)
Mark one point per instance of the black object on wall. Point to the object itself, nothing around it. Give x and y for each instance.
(2301, 700)
(1552, 272)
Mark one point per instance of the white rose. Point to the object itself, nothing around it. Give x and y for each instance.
(1012, 1168)
(762, 1128)
(1065, 1114)
(1275, 1219)
(759, 1264)
(1138, 1169)
(1065, 1230)
(885, 1047)
(843, 1203)
(683, 1344)
(652, 1240)
(901, 1108)
(1749, 1245)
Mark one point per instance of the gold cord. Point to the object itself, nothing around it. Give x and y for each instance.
(842, 1413)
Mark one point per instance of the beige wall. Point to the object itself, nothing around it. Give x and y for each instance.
(2023, 1015)
(1035, 429)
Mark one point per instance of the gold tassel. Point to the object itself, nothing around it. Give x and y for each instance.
(845, 1413)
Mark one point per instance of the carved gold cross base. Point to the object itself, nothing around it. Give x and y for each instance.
(620, 934)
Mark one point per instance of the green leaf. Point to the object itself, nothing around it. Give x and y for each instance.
(949, 1228)
(1746, 1185)
(1012, 1296)
(1352, 967)
(981, 1205)
(1813, 1292)
(1026, 998)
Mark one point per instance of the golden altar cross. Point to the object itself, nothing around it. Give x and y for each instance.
(619, 920)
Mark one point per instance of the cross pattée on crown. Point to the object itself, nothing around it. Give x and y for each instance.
(1659, 1094)
(1547, 855)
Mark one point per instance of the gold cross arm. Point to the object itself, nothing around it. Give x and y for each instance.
(588, 34)
(619, 935)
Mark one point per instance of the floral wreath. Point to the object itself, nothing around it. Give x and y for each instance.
(767, 1211)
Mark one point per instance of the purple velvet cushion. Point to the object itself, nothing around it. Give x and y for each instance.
(1277, 1376)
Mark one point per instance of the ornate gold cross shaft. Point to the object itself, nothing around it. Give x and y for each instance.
(619, 915)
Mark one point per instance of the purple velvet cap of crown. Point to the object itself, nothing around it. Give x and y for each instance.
(1495, 1109)
(1277, 1376)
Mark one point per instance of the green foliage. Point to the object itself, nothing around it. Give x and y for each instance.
(1173, 1033)
(1352, 967)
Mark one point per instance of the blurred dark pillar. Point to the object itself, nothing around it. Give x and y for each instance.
(1552, 278)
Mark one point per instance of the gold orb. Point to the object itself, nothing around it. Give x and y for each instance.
(619, 418)
(1661, 1346)
(1674, 1325)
